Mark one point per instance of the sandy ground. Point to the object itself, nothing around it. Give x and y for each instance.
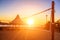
(28, 34)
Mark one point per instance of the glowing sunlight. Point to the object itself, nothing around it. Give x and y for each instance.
(30, 21)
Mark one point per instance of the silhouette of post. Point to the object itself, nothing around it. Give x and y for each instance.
(46, 18)
(52, 21)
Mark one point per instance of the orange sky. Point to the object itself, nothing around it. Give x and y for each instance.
(9, 9)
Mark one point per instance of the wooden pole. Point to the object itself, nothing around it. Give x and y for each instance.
(52, 21)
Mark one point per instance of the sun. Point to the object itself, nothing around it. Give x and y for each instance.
(30, 22)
